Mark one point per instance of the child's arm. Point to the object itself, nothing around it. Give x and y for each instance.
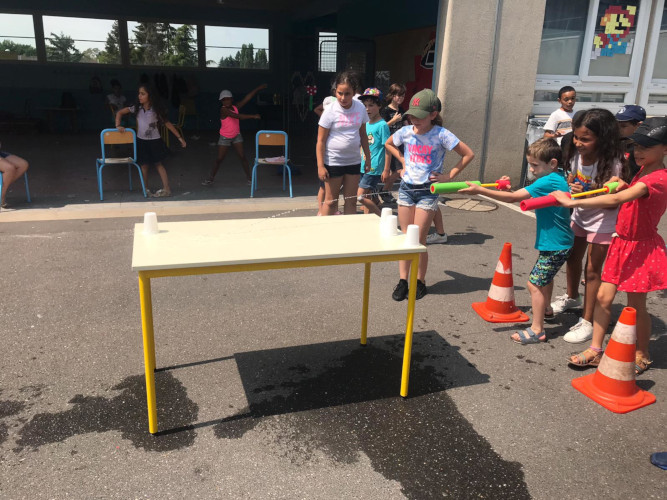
(603, 201)
(396, 118)
(506, 196)
(319, 109)
(364, 146)
(119, 115)
(466, 157)
(250, 95)
(173, 130)
(227, 113)
(322, 135)
(391, 150)
(548, 134)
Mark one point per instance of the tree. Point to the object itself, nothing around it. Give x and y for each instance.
(61, 48)
(9, 48)
(261, 59)
(229, 62)
(183, 48)
(91, 56)
(111, 53)
(149, 44)
(246, 57)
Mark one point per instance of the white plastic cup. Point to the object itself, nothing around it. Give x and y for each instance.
(412, 236)
(386, 212)
(390, 226)
(150, 223)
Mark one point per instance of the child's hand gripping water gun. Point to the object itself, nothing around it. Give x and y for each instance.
(453, 187)
(550, 201)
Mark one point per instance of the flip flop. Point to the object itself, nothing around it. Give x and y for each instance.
(583, 361)
(161, 193)
(530, 338)
(660, 459)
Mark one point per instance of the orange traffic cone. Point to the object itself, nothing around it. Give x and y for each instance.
(613, 384)
(499, 306)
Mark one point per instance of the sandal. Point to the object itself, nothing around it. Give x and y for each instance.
(161, 193)
(583, 360)
(528, 336)
(4, 204)
(207, 182)
(642, 364)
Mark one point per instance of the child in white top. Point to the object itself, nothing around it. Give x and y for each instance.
(342, 130)
(560, 121)
(425, 143)
(596, 157)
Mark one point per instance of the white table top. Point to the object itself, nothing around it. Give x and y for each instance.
(251, 241)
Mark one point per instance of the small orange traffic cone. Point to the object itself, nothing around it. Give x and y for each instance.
(613, 384)
(499, 306)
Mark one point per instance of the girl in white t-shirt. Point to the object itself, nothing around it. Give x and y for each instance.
(596, 157)
(342, 131)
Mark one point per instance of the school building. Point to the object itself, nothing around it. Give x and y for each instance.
(494, 63)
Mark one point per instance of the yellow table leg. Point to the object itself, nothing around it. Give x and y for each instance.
(149, 348)
(364, 313)
(407, 352)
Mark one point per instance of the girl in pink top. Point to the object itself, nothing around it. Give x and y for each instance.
(636, 261)
(230, 131)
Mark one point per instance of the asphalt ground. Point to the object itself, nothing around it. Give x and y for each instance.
(263, 390)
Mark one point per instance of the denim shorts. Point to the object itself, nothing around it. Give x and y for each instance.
(336, 171)
(547, 265)
(369, 181)
(226, 141)
(417, 194)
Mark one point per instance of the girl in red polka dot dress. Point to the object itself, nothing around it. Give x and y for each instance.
(636, 261)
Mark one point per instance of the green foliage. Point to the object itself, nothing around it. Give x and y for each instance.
(111, 52)
(61, 48)
(159, 44)
(246, 58)
(8, 47)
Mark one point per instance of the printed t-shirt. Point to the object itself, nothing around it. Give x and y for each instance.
(553, 223)
(230, 127)
(378, 133)
(388, 113)
(424, 154)
(118, 101)
(147, 124)
(343, 142)
(595, 220)
(560, 121)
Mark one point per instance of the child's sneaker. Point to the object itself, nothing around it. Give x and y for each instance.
(421, 289)
(563, 303)
(579, 333)
(434, 238)
(400, 291)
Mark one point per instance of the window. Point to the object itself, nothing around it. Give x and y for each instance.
(246, 48)
(75, 39)
(660, 67)
(563, 37)
(162, 44)
(17, 38)
(327, 52)
(614, 39)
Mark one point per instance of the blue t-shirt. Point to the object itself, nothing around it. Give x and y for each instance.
(553, 223)
(378, 133)
(424, 154)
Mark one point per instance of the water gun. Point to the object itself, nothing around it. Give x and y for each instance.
(453, 187)
(550, 201)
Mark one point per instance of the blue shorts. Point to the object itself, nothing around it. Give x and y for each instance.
(228, 141)
(369, 181)
(417, 194)
(547, 265)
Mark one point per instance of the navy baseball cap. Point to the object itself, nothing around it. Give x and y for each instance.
(631, 112)
(653, 132)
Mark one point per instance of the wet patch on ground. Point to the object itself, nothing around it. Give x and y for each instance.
(346, 402)
(126, 412)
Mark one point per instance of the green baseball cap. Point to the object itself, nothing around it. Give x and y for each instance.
(423, 103)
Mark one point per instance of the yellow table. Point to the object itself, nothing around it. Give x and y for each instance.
(226, 246)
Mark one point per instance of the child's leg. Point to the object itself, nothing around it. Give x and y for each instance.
(423, 218)
(406, 216)
(162, 172)
(9, 174)
(638, 301)
(574, 267)
(367, 204)
(320, 199)
(222, 152)
(350, 186)
(438, 222)
(538, 300)
(238, 147)
(331, 192)
(597, 253)
(144, 172)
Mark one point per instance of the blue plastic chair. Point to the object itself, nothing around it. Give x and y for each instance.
(27, 188)
(110, 136)
(271, 138)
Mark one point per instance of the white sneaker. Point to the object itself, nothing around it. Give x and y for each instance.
(579, 333)
(436, 238)
(563, 303)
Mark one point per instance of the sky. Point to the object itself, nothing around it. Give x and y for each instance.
(92, 33)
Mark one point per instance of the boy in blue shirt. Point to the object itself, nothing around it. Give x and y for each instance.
(554, 236)
(378, 133)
